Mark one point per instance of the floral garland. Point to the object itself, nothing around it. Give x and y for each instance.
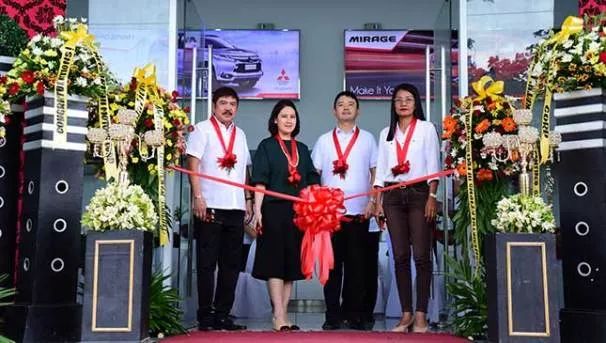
(572, 59)
(37, 66)
(521, 213)
(492, 117)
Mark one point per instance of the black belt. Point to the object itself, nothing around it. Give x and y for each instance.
(421, 186)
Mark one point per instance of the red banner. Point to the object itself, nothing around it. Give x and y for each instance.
(34, 16)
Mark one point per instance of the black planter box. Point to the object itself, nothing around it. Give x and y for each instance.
(116, 290)
(523, 280)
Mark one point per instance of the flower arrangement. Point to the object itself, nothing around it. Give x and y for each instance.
(144, 172)
(37, 66)
(120, 207)
(572, 59)
(12, 38)
(521, 213)
(492, 118)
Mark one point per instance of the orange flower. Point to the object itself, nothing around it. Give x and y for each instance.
(462, 169)
(508, 124)
(447, 134)
(484, 175)
(515, 155)
(449, 123)
(482, 126)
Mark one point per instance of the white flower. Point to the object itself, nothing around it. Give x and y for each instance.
(37, 51)
(80, 81)
(56, 42)
(567, 58)
(567, 44)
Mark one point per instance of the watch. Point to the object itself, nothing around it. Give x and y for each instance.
(433, 195)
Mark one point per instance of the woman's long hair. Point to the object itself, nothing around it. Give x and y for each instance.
(418, 112)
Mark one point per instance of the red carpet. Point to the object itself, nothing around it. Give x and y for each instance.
(312, 336)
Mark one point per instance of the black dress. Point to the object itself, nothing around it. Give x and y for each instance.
(279, 246)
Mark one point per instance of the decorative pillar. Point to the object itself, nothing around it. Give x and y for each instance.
(582, 184)
(45, 308)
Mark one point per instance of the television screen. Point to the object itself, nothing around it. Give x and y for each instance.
(377, 61)
(259, 64)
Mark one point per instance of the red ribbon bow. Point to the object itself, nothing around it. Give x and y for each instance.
(318, 217)
(339, 167)
(401, 168)
(294, 178)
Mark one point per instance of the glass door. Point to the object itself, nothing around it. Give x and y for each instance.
(191, 83)
(446, 88)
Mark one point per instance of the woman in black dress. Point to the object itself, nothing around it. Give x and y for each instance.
(283, 165)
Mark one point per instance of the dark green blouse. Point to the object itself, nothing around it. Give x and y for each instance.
(270, 168)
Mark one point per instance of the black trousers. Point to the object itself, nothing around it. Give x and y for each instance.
(348, 249)
(371, 274)
(218, 243)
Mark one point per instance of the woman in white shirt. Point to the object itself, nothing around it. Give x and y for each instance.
(409, 148)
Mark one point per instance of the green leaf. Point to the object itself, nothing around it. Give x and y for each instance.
(164, 312)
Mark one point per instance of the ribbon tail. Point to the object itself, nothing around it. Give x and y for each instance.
(326, 257)
(307, 256)
(544, 147)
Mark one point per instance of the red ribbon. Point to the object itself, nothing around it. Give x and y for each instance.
(229, 160)
(340, 165)
(318, 213)
(293, 160)
(318, 217)
(403, 165)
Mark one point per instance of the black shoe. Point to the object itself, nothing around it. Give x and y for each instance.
(227, 324)
(356, 325)
(206, 324)
(330, 325)
(294, 328)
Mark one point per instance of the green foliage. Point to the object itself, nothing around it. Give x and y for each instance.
(12, 38)
(164, 312)
(5, 294)
(488, 195)
(469, 305)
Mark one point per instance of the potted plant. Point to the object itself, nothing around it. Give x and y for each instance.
(523, 274)
(120, 219)
(12, 40)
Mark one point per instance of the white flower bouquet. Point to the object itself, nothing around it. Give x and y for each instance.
(524, 214)
(120, 207)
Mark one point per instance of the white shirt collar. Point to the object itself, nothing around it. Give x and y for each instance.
(341, 132)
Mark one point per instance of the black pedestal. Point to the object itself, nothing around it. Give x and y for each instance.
(582, 190)
(116, 293)
(523, 282)
(45, 308)
(9, 168)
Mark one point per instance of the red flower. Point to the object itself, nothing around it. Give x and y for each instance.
(448, 160)
(13, 89)
(148, 123)
(603, 57)
(228, 161)
(294, 178)
(133, 84)
(28, 77)
(40, 88)
(176, 122)
(186, 109)
(190, 128)
(3, 79)
(175, 95)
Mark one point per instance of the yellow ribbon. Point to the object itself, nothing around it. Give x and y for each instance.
(146, 76)
(571, 25)
(471, 193)
(493, 91)
(147, 87)
(79, 35)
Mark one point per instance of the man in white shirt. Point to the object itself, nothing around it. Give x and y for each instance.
(218, 148)
(346, 158)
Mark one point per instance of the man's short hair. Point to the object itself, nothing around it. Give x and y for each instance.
(348, 94)
(225, 92)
